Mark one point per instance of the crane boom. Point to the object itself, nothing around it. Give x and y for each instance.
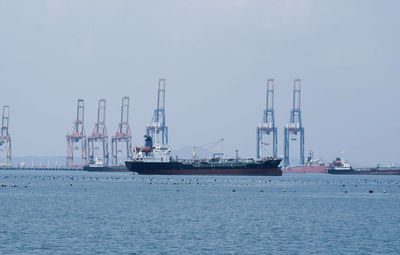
(206, 145)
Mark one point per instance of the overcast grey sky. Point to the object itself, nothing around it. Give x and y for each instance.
(216, 56)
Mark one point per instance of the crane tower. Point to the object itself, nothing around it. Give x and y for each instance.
(157, 126)
(295, 126)
(99, 135)
(268, 127)
(123, 134)
(77, 140)
(5, 139)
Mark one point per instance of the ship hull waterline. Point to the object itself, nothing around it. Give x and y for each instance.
(177, 168)
(352, 172)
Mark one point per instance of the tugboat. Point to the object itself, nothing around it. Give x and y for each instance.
(156, 160)
(340, 166)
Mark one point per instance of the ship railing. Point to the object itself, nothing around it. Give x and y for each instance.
(367, 169)
(219, 161)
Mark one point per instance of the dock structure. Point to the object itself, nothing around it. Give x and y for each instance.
(43, 168)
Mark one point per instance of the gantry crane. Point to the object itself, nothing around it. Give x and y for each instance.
(295, 125)
(77, 140)
(157, 126)
(123, 134)
(5, 139)
(99, 135)
(268, 127)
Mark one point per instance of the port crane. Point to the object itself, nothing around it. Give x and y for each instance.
(267, 127)
(157, 126)
(295, 125)
(123, 134)
(77, 140)
(5, 139)
(99, 135)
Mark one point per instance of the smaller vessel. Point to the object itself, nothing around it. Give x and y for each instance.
(342, 166)
(311, 166)
(98, 166)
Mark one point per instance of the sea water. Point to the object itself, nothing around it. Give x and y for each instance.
(60, 212)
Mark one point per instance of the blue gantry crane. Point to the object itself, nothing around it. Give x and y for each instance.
(295, 126)
(157, 128)
(268, 127)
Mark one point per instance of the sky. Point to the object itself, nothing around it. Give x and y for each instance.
(216, 56)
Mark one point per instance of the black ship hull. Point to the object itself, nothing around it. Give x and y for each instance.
(266, 168)
(372, 171)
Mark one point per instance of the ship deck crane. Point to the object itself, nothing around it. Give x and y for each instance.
(268, 127)
(295, 125)
(207, 146)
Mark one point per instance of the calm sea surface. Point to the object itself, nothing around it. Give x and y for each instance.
(55, 212)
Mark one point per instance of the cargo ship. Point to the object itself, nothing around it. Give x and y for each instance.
(99, 166)
(342, 166)
(156, 160)
(311, 166)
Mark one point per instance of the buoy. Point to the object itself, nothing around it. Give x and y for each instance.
(371, 191)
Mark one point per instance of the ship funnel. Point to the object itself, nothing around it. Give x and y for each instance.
(148, 141)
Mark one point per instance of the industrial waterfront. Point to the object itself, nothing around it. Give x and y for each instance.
(92, 153)
(199, 127)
